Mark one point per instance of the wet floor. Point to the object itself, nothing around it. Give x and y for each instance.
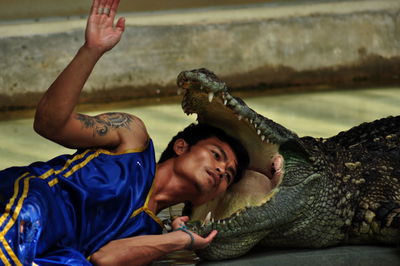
(318, 114)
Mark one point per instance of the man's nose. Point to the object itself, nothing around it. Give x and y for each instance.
(221, 170)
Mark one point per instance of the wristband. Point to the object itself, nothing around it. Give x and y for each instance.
(184, 229)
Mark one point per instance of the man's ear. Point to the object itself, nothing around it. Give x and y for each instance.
(180, 146)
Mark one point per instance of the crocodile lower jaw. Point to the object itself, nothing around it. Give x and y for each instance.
(252, 191)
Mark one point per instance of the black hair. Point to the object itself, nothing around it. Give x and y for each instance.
(197, 132)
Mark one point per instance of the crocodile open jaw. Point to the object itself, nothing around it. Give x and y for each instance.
(207, 96)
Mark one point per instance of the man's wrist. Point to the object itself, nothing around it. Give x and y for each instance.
(93, 52)
(183, 239)
(190, 244)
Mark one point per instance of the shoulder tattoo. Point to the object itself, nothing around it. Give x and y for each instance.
(102, 124)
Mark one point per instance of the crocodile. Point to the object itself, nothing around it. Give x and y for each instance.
(298, 192)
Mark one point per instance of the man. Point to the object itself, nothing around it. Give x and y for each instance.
(100, 204)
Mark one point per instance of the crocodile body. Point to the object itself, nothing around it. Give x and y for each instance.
(298, 191)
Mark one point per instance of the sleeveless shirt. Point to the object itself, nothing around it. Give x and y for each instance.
(75, 203)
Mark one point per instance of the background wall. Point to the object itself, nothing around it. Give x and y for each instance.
(37, 9)
(274, 46)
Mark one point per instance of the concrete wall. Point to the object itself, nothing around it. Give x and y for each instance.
(323, 44)
(39, 9)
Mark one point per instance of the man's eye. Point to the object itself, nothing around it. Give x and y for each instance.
(216, 155)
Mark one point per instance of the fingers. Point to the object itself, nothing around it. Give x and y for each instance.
(95, 6)
(103, 3)
(107, 7)
(113, 8)
(179, 221)
(201, 242)
(101, 7)
(211, 236)
(207, 240)
(184, 218)
(197, 242)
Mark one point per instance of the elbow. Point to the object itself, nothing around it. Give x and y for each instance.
(43, 126)
(39, 125)
(41, 120)
(95, 260)
(49, 119)
(98, 259)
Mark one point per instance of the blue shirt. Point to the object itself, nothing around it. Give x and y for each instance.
(76, 203)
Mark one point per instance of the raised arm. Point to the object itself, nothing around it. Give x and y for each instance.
(55, 118)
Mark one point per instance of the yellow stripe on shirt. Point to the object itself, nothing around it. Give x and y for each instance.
(12, 200)
(13, 219)
(67, 164)
(3, 257)
(146, 209)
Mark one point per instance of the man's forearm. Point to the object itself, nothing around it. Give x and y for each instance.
(140, 250)
(59, 101)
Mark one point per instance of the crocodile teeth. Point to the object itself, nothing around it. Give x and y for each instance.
(240, 117)
(228, 96)
(225, 101)
(258, 132)
(262, 137)
(210, 96)
(207, 219)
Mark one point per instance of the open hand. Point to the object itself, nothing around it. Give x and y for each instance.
(199, 242)
(101, 34)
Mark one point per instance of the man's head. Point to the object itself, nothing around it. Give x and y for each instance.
(198, 132)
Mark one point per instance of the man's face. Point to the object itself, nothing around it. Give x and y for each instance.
(210, 165)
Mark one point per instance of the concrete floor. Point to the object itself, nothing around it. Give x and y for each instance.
(336, 256)
(319, 114)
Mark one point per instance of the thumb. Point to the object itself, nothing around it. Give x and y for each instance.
(120, 26)
(185, 218)
(211, 236)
